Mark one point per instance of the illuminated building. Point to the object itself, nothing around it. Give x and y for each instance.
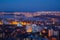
(1, 22)
(29, 28)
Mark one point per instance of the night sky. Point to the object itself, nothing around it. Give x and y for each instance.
(29, 5)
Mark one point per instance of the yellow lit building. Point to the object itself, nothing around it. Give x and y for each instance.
(1, 23)
(14, 23)
(24, 23)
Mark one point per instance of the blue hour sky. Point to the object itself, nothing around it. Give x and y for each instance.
(29, 5)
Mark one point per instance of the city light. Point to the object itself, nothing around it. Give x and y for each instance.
(43, 24)
(1, 23)
(14, 22)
